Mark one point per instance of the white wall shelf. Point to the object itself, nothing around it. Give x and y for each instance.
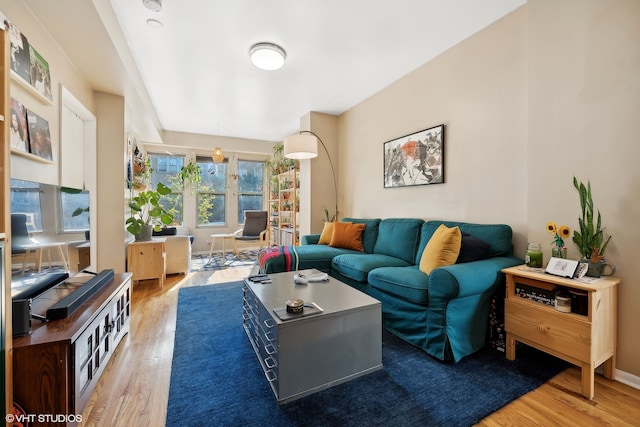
(32, 90)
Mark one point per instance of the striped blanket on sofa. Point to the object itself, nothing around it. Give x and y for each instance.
(278, 258)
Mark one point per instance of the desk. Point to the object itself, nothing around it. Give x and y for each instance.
(40, 247)
(224, 237)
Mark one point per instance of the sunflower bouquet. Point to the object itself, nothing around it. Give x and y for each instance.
(559, 250)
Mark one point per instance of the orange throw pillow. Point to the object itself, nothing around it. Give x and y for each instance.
(327, 234)
(347, 235)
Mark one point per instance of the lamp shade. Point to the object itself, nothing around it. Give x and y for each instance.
(217, 155)
(300, 147)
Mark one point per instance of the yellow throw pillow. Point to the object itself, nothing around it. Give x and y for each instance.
(442, 249)
(327, 233)
(347, 235)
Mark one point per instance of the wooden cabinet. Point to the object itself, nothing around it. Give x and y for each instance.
(585, 337)
(284, 207)
(148, 260)
(57, 367)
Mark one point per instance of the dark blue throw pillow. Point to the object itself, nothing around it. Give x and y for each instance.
(472, 249)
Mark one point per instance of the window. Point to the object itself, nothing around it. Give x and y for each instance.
(25, 198)
(211, 194)
(250, 179)
(165, 169)
(75, 209)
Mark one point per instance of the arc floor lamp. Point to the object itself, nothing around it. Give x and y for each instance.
(304, 145)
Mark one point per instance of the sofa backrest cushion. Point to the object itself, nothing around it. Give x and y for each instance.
(399, 237)
(370, 234)
(498, 236)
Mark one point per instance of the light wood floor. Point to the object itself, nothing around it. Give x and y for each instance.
(135, 386)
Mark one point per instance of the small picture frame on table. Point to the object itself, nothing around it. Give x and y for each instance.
(562, 267)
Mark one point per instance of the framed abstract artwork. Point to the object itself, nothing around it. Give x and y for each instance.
(18, 131)
(39, 136)
(415, 159)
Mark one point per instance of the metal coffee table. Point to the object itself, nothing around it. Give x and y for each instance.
(337, 338)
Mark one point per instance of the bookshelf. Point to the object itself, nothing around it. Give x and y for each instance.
(284, 207)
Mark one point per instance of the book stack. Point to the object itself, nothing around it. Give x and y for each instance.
(543, 296)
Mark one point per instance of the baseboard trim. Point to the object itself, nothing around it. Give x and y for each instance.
(628, 379)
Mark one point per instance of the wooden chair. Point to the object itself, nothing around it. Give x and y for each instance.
(254, 232)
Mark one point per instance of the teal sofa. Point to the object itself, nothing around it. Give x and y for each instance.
(444, 313)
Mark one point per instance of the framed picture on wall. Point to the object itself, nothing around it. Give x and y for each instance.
(415, 159)
(39, 71)
(19, 52)
(39, 136)
(18, 131)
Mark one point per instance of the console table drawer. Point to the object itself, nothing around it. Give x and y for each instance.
(569, 334)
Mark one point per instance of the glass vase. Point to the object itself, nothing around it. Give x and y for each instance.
(558, 252)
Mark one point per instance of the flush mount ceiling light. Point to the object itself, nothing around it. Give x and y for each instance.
(153, 5)
(155, 24)
(267, 56)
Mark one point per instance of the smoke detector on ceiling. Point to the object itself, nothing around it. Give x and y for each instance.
(153, 5)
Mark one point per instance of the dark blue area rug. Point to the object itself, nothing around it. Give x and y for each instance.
(216, 378)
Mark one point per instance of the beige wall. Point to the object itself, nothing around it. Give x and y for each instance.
(111, 174)
(478, 90)
(583, 111)
(546, 93)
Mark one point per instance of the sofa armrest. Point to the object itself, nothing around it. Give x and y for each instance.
(310, 239)
(469, 278)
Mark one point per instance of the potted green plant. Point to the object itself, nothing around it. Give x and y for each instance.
(141, 172)
(590, 238)
(147, 213)
(190, 173)
(278, 164)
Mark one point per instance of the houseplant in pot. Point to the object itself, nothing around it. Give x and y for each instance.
(147, 213)
(590, 238)
(190, 173)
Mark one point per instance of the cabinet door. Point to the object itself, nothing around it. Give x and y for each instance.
(147, 260)
(43, 378)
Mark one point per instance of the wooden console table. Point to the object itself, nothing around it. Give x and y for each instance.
(56, 368)
(586, 339)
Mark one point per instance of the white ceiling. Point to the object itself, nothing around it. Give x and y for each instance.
(196, 73)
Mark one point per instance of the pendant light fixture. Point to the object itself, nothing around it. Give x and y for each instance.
(217, 155)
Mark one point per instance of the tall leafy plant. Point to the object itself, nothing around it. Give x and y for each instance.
(147, 210)
(590, 239)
